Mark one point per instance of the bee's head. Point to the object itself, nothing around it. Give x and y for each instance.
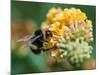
(48, 33)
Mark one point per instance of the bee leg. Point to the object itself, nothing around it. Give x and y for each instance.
(34, 48)
(32, 45)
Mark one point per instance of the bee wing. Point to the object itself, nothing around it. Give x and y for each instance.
(26, 38)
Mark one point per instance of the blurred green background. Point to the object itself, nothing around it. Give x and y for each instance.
(36, 11)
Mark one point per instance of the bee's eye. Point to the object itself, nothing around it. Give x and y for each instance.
(48, 33)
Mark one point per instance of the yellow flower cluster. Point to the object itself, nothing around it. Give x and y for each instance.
(68, 24)
(59, 55)
(66, 16)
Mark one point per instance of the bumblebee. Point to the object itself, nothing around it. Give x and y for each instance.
(35, 41)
